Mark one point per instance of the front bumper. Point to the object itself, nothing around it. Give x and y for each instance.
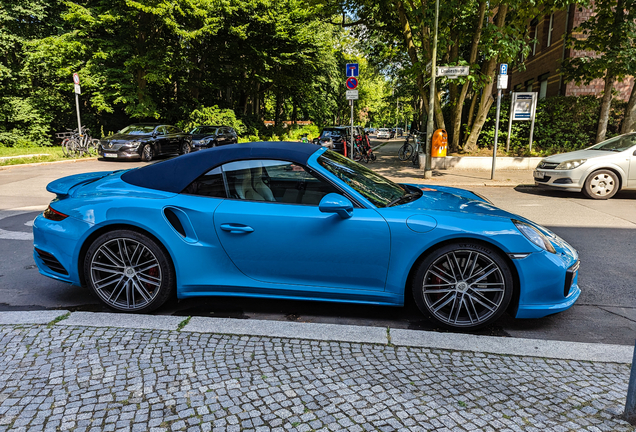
(551, 290)
(122, 153)
(567, 180)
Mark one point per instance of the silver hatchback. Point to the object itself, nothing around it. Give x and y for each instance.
(598, 171)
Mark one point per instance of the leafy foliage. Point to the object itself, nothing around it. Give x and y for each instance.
(562, 124)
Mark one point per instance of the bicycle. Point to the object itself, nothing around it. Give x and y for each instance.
(415, 157)
(76, 144)
(362, 151)
(406, 151)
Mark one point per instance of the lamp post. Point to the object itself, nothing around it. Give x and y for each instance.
(431, 100)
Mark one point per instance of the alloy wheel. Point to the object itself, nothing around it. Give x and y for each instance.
(125, 274)
(464, 288)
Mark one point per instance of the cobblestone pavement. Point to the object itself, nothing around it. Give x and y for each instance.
(106, 379)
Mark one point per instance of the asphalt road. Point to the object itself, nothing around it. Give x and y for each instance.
(604, 232)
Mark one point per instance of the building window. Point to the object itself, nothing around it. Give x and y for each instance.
(519, 87)
(534, 37)
(543, 85)
(550, 28)
(529, 85)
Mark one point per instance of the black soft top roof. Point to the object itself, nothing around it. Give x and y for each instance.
(175, 174)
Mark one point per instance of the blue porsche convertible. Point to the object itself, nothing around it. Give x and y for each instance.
(298, 221)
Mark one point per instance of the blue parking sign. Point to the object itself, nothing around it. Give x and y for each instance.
(503, 69)
(352, 69)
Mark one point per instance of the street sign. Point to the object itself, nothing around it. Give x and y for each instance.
(453, 71)
(352, 83)
(503, 69)
(523, 105)
(77, 89)
(502, 82)
(352, 94)
(352, 70)
(76, 79)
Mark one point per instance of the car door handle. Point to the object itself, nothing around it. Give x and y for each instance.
(237, 228)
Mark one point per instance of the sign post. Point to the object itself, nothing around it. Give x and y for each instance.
(351, 72)
(523, 106)
(502, 83)
(78, 91)
(428, 172)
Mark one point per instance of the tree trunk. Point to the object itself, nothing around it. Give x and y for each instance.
(629, 120)
(486, 96)
(605, 107)
(456, 112)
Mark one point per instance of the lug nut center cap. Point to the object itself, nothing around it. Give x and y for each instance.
(462, 286)
(129, 272)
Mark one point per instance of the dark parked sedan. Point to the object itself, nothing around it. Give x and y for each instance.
(145, 141)
(212, 136)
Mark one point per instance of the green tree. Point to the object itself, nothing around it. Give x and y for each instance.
(606, 42)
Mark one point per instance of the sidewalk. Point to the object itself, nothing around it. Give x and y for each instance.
(391, 167)
(115, 372)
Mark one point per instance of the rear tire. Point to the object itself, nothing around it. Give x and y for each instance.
(405, 152)
(601, 185)
(129, 272)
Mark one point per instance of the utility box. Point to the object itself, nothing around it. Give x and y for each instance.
(439, 143)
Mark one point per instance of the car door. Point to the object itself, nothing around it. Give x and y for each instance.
(160, 140)
(274, 232)
(173, 138)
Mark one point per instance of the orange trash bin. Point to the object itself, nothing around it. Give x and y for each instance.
(439, 143)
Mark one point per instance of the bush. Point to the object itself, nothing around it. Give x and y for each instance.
(562, 124)
(212, 116)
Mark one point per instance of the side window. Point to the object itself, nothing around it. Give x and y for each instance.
(161, 130)
(209, 184)
(173, 130)
(274, 181)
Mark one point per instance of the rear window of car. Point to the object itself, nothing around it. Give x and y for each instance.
(328, 133)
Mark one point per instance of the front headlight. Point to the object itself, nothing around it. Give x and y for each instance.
(571, 164)
(133, 145)
(535, 236)
(204, 141)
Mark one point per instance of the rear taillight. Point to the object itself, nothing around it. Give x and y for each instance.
(53, 215)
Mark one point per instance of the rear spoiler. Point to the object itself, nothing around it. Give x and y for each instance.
(61, 187)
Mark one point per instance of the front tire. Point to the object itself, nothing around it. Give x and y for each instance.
(601, 185)
(129, 272)
(185, 148)
(147, 153)
(463, 286)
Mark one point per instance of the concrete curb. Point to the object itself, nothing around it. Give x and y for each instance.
(4, 167)
(602, 353)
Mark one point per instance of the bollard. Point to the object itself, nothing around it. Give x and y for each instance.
(630, 403)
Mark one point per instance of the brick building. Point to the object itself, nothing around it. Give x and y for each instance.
(542, 64)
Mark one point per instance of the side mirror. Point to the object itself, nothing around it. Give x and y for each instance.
(335, 203)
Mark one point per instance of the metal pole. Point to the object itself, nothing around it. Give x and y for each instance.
(534, 107)
(79, 123)
(351, 101)
(512, 101)
(431, 105)
(494, 150)
(630, 403)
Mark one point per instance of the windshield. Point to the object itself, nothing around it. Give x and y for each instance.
(203, 130)
(616, 144)
(381, 191)
(138, 129)
(328, 133)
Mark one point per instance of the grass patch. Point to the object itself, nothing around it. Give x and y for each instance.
(183, 323)
(54, 154)
(58, 319)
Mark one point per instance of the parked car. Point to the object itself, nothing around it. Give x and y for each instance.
(598, 171)
(298, 221)
(335, 138)
(212, 136)
(145, 141)
(392, 131)
(383, 133)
